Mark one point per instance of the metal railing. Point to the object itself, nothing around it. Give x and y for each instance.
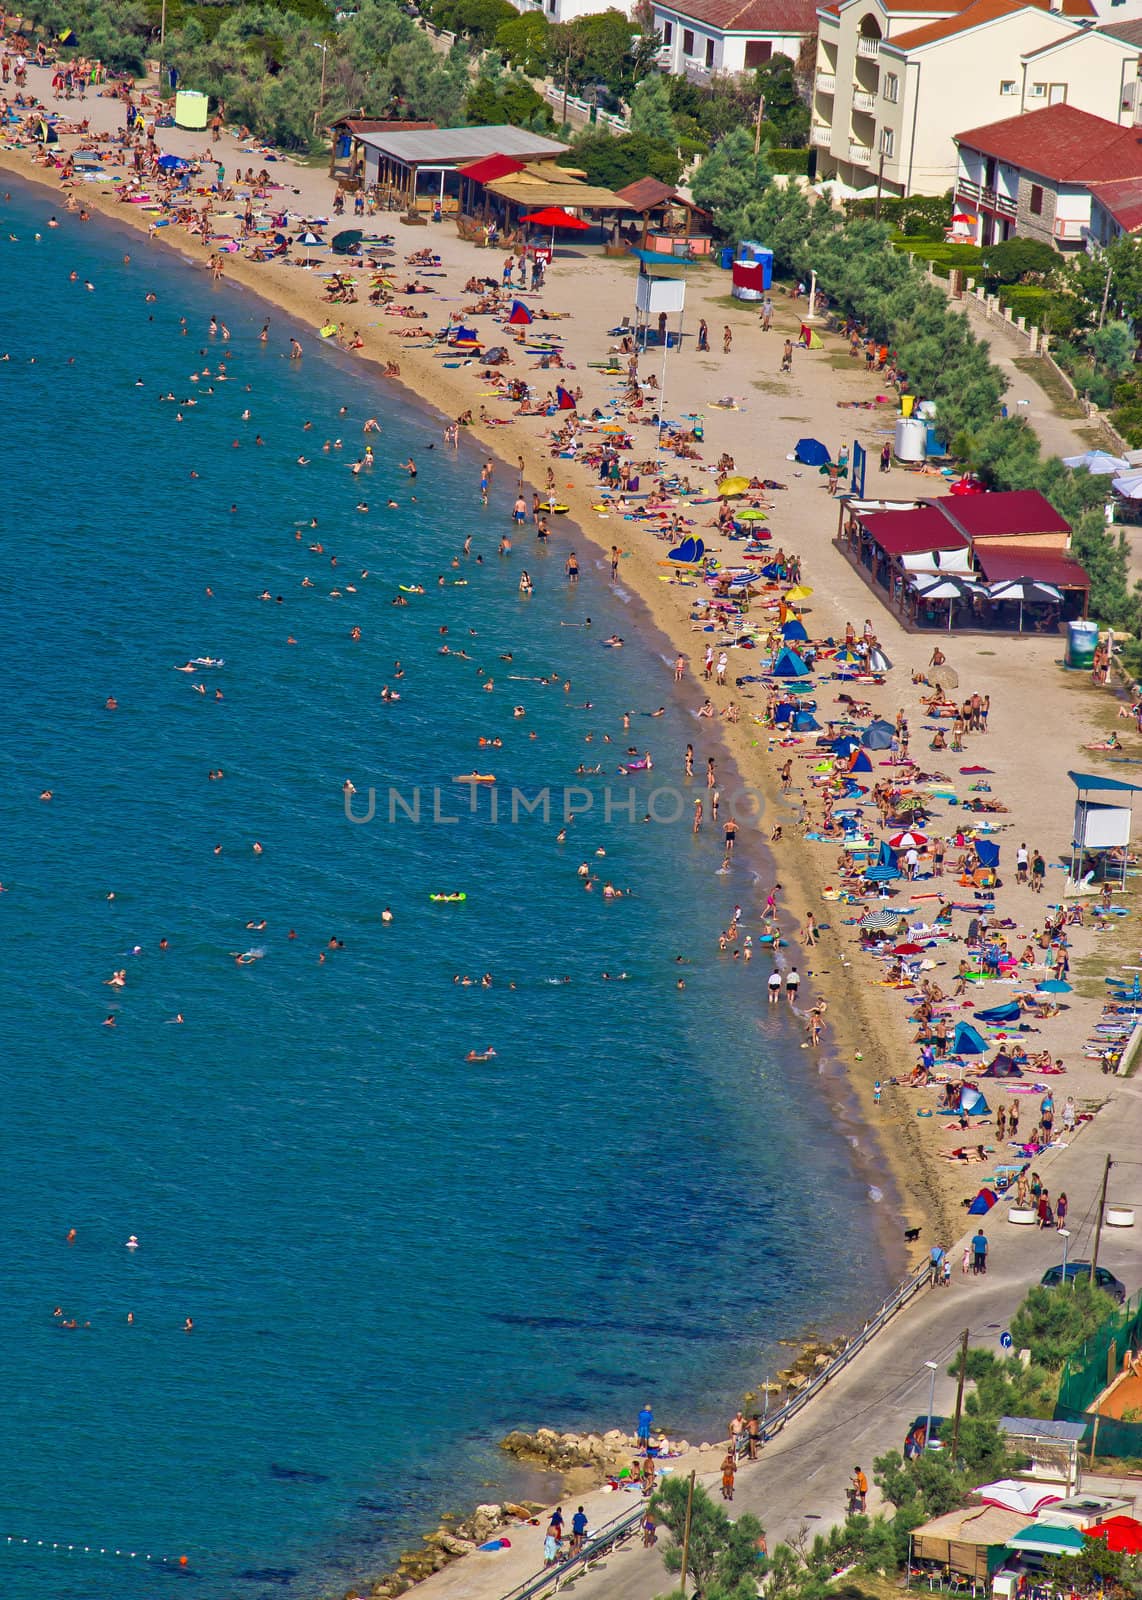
(609, 1537)
(899, 1297)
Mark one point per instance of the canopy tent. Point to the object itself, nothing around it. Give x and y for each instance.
(1009, 1492)
(788, 664)
(811, 453)
(519, 316)
(968, 1041)
(1043, 1540)
(980, 1207)
(1097, 462)
(1120, 1533)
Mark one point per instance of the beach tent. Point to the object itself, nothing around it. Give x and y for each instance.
(987, 852)
(564, 399)
(1002, 1067)
(878, 735)
(972, 1102)
(884, 869)
(844, 745)
(46, 133)
(794, 629)
(689, 551)
(520, 316)
(788, 664)
(67, 37)
(1008, 1012)
(805, 722)
(463, 335)
(860, 763)
(811, 453)
(810, 338)
(968, 1041)
(980, 1207)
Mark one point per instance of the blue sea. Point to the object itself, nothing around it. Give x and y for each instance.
(389, 1255)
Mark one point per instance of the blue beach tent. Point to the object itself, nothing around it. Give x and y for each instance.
(860, 763)
(884, 869)
(805, 722)
(982, 1203)
(968, 1041)
(788, 664)
(794, 629)
(1008, 1012)
(811, 453)
(972, 1102)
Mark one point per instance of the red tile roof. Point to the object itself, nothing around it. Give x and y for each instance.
(749, 16)
(1123, 199)
(1001, 564)
(994, 516)
(975, 15)
(1061, 143)
(906, 533)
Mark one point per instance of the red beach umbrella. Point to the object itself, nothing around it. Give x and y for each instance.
(908, 950)
(555, 217)
(908, 840)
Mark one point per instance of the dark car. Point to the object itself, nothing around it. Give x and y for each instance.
(914, 1438)
(1104, 1279)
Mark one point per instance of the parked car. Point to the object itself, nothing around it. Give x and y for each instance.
(914, 1438)
(1104, 1278)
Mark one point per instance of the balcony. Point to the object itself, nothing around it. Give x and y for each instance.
(863, 101)
(826, 82)
(868, 44)
(1070, 229)
(861, 154)
(820, 136)
(1000, 205)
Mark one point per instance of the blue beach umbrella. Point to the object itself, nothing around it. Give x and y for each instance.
(172, 163)
(1053, 986)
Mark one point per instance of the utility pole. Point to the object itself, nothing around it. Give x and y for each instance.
(879, 183)
(960, 1394)
(757, 129)
(1098, 1223)
(686, 1534)
(324, 48)
(1105, 297)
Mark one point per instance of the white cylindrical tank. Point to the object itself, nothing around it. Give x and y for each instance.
(910, 440)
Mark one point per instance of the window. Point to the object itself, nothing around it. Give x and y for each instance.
(667, 32)
(891, 87)
(759, 51)
(887, 141)
(1036, 201)
(1038, 91)
(709, 52)
(687, 41)
(1008, 86)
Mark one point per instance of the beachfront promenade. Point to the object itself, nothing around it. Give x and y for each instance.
(800, 1481)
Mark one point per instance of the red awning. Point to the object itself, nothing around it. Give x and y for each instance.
(905, 533)
(489, 168)
(1001, 563)
(1015, 511)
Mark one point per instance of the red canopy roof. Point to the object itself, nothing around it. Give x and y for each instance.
(1001, 563)
(992, 516)
(489, 168)
(1120, 1533)
(905, 533)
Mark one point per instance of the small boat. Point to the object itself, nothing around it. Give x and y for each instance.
(475, 777)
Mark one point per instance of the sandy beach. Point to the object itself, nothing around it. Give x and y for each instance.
(1040, 720)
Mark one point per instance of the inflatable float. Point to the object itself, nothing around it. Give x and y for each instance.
(475, 777)
(447, 899)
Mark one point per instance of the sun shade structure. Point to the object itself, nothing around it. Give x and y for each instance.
(1042, 1539)
(1009, 1493)
(972, 1542)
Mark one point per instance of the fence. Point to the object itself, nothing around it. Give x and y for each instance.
(610, 1537)
(1089, 1371)
(577, 108)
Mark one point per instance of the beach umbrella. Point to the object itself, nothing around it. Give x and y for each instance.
(908, 840)
(1053, 986)
(880, 921)
(878, 735)
(908, 949)
(309, 239)
(1027, 591)
(555, 217)
(800, 591)
(811, 453)
(846, 656)
(347, 241)
(733, 486)
(172, 163)
(949, 588)
(750, 514)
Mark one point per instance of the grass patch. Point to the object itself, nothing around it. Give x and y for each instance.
(771, 386)
(1052, 385)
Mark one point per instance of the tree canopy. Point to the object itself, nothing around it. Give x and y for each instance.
(614, 160)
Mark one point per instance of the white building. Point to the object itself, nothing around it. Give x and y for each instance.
(702, 37)
(571, 10)
(896, 79)
(1045, 174)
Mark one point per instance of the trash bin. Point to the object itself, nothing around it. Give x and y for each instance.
(727, 257)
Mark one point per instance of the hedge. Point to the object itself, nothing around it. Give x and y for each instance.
(791, 161)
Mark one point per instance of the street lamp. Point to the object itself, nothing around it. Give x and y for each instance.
(933, 1367)
(324, 48)
(1064, 1235)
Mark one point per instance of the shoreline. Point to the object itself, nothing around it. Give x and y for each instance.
(851, 1015)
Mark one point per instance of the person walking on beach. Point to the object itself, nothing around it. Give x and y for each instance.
(727, 339)
(578, 1531)
(792, 984)
(703, 335)
(729, 1471)
(1038, 872)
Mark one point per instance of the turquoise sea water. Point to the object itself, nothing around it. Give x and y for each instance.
(390, 1256)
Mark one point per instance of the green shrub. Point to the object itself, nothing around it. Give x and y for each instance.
(1025, 300)
(796, 161)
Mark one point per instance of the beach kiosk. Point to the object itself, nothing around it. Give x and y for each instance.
(190, 108)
